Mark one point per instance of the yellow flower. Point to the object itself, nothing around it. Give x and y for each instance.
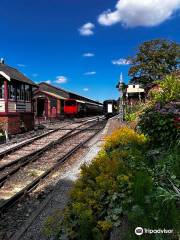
(104, 225)
(124, 136)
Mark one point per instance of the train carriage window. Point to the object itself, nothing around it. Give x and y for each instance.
(1, 88)
(70, 103)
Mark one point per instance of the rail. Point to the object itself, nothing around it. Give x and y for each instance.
(11, 201)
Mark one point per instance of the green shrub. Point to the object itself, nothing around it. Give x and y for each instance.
(101, 194)
(141, 188)
(169, 90)
(167, 166)
(123, 181)
(52, 225)
(130, 117)
(132, 112)
(159, 121)
(159, 126)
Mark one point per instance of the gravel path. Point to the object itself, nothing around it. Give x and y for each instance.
(112, 125)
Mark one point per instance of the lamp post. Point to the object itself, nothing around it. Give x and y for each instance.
(120, 86)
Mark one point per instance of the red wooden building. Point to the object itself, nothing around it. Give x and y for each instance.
(16, 109)
(49, 101)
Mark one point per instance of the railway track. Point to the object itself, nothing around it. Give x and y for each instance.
(36, 145)
(51, 130)
(13, 166)
(33, 170)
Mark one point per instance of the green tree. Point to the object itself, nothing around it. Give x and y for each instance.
(154, 60)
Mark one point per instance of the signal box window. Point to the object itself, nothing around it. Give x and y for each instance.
(27, 92)
(1, 88)
(11, 91)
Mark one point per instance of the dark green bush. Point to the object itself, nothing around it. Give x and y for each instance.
(158, 126)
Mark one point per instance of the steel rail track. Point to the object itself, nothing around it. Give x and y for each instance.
(11, 201)
(26, 142)
(39, 151)
(7, 151)
(31, 158)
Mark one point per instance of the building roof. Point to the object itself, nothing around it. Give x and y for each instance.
(45, 87)
(151, 85)
(50, 94)
(64, 93)
(14, 74)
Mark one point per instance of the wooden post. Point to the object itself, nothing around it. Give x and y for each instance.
(6, 107)
(6, 96)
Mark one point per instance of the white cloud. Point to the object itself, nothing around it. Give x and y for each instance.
(21, 65)
(88, 55)
(48, 81)
(87, 29)
(86, 89)
(90, 73)
(61, 79)
(121, 61)
(34, 74)
(133, 13)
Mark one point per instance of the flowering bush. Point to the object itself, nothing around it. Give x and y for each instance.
(98, 197)
(121, 182)
(169, 90)
(159, 125)
(160, 121)
(124, 137)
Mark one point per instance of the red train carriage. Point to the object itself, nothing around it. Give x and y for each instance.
(73, 107)
(70, 107)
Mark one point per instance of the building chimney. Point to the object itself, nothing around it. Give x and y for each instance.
(2, 60)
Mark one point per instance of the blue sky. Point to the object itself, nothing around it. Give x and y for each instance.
(47, 39)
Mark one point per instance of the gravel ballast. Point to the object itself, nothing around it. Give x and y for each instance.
(61, 185)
